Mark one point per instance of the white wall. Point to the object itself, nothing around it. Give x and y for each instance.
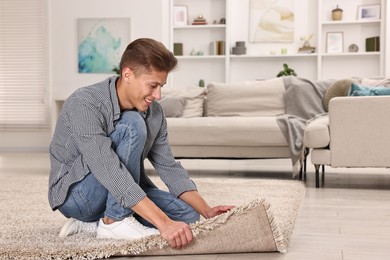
(145, 15)
(387, 41)
(148, 18)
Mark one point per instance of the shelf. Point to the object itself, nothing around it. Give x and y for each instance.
(353, 22)
(199, 57)
(194, 27)
(251, 56)
(374, 53)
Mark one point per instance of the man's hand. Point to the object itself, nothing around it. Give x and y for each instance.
(214, 211)
(178, 234)
(195, 200)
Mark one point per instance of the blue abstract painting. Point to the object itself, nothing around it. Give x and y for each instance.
(101, 43)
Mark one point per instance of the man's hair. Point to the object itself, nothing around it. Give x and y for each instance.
(144, 55)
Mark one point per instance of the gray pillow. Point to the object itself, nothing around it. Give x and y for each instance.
(172, 106)
(193, 97)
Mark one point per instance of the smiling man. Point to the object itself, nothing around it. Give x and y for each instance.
(104, 133)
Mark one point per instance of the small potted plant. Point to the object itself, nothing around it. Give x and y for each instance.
(286, 72)
(116, 70)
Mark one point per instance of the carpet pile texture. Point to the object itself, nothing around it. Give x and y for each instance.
(263, 221)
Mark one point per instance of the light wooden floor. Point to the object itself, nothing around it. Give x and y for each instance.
(349, 218)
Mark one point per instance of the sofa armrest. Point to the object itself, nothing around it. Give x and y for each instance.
(317, 133)
(359, 131)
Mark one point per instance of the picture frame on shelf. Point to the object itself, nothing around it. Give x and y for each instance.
(334, 42)
(180, 15)
(369, 12)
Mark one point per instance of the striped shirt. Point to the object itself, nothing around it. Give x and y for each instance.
(81, 144)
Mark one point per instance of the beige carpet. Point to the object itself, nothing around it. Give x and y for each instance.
(262, 222)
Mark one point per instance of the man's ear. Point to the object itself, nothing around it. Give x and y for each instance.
(127, 73)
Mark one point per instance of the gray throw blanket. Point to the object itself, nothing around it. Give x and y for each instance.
(304, 102)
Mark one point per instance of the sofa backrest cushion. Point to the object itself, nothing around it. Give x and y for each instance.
(372, 82)
(193, 97)
(172, 106)
(248, 98)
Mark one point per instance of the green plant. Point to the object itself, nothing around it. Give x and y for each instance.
(286, 72)
(116, 70)
(201, 83)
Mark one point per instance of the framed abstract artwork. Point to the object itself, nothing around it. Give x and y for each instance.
(334, 42)
(101, 43)
(180, 15)
(271, 21)
(369, 12)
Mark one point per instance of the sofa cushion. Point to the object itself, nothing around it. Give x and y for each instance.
(172, 106)
(357, 90)
(320, 156)
(375, 82)
(317, 133)
(337, 89)
(225, 131)
(193, 99)
(249, 98)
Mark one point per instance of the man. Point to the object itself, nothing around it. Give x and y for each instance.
(103, 134)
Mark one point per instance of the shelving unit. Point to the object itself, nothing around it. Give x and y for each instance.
(355, 31)
(197, 38)
(264, 60)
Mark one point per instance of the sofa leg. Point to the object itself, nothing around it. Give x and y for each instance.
(305, 163)
(317, 168)
(300, 173)
(303, 169)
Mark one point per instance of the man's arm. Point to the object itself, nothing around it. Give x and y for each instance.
(195, 200)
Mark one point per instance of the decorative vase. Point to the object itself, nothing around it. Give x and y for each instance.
(337, 14)
(239, 49)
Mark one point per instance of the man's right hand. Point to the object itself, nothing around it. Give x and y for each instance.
(178, 234)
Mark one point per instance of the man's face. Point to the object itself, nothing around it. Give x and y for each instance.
(143, 88)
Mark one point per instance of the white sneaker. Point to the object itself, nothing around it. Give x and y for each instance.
(129, 228)
(73, 226)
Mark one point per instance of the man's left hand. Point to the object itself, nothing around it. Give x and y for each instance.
(214, 211)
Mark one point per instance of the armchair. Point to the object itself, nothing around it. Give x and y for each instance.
(355, 133)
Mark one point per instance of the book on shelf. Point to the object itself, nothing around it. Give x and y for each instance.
(217, 48)
(307, 50)
(199, 23)
(178, 48)
(372, 44)
(200, 20)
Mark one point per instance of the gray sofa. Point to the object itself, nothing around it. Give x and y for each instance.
(229, 120)
(235, 120)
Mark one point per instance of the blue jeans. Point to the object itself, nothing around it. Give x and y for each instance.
(88, 200)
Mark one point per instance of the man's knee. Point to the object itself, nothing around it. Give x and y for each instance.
(192, 216)
(133, 120)
(186, 213)
(130, 126)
